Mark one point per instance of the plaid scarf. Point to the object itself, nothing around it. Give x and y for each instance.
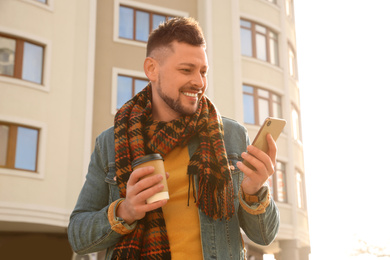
(136, 135)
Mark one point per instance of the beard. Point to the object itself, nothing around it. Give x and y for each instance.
(176, 104)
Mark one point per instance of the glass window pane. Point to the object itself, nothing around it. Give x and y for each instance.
(140, 85)
(263, 110)
(26, 149)
(7, 56)
(260, 29)
(126, 22)
(277, 110)
(261, 47)
(295, 125)
(263, 93)
(249, 109)
(142, 26)
(245, 23)
(32, 62)
(42, 1)
(274, 58)
(276, 98)
(291, 59)
(246, 42)
(247, 89)
(299, 189)
(157, 19)
(288, 8)
(124, 90)
(4, 132)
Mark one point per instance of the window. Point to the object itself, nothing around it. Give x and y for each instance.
(125, 85)
(260, 104)
(272, 1)
(296, 124)
(289, 8)
(300, 190)
(259, 42)
(18, 147)
(135, 24)
(292, 62)
(277, 183)
(42, 1)
(128, 87)
(21, 59)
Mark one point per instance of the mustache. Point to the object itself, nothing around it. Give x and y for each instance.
(190, 88)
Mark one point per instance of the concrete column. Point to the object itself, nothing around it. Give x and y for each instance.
(304, 253)
(255, 253)
(289, 250)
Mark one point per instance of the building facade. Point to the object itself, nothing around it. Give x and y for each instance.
(67, 66)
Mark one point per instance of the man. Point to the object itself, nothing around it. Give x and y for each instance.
(212, 194)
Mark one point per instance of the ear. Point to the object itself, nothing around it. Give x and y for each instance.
(151, 68)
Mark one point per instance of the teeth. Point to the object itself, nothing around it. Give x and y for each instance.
(190, 94)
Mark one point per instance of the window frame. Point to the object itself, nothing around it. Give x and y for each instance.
(41, 148)
(19, 55)
(294, 64)
(114, 85)
(274, 183)
(297, 124)
(268, 38)
(12, 145)
(142, 7)
(151, 13)
(256, 98)
(46, 44)
(301, 190)
(49, 5)
(289, 8)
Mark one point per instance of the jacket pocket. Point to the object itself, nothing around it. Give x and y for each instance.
(112, 184)
(235, 171)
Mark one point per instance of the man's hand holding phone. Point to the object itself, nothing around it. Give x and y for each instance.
(260, 160)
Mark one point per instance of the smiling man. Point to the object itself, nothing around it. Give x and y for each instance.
(178, 78)
(211, 193)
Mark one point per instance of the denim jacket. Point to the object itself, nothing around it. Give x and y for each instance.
(90, 231)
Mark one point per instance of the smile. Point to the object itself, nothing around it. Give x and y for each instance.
(189, 94)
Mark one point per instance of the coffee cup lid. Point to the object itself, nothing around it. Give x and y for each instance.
(146, 158)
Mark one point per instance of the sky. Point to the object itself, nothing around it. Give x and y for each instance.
(343, 50)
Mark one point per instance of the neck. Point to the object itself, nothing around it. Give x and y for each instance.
(164, 116)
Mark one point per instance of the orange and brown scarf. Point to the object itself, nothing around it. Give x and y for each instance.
(136, 135)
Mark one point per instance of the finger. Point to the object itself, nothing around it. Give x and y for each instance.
(272, 148)
(147, 182)
(144, 194)
(153, 206)
(254, 161)
(248, 172)
(140, 173)
(259, 159)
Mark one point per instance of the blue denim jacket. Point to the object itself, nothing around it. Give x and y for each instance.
(90, 231)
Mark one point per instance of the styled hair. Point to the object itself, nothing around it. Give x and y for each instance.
(180, 29)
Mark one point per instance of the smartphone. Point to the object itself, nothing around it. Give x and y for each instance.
(271, 125)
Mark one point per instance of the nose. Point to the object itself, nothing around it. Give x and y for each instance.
(198, 80)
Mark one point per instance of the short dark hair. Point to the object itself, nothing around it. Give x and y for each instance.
(180, 29)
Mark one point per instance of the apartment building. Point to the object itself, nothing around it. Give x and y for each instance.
(67, 66)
